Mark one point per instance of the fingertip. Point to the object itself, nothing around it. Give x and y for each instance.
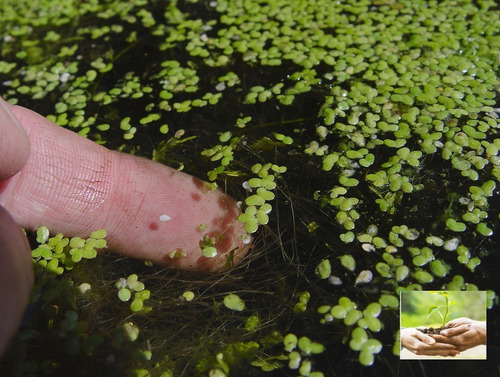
(178, 220)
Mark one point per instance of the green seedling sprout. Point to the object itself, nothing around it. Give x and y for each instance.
(439, 308)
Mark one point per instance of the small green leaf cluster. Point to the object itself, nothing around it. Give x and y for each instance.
(207, 246)
(347, 214)
(477, 206)
(301, 306)
(223, 153)
(58, 253)
(55, 302)
(132, 286)
(220, 364)
(367, 319)
(257, 207)
(299, 350)
(78, 333)
(261, 94)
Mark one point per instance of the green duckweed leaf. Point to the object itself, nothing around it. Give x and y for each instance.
(348, 262)
(290, 342)
(234, 302)
(323, 270)
(124, 294)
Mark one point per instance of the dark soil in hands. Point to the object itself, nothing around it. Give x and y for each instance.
(431, 330)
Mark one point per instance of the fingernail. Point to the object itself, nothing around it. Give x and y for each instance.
(8, 117)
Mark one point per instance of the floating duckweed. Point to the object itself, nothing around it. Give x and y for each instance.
(439, 268)
(358, 338)
(423, 276)
(348, 262)
(294, 360)
(290, 342)
(433, 240)
(402, 272)
(131, 331)
(136, 305)
(451, 244)
(84, 288)
(301, 306)
(339, 312)
(347, 237)
(456, 226)
(352, 317)
(150, 118)
(372, 323)
(334, 280)
(373, 309)
(323, 270)
(473, 263)
(305, 368)
(309, 347)
(131, 285)
(391, 110)
(284, 139)
(42, 235)
(207, 246)
(98, 234)
(368, 350)
(484, 230)
(252, 323)
(209, 252)
(364, 277)
(389, 301)
(124, 294)
(177, 253)
(234, 302)
(188, 296)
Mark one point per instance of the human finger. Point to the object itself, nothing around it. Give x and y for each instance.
(424, 338)
(14, 143)
(16, 277)
(453, 331)
(458, 321)
(150, 211)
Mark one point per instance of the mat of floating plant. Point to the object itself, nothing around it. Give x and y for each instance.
(361, 138)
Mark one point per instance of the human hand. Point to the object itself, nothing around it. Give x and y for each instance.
(75, 186)
(422, 344)
(463, 333)
(16, 274)
(54, 177)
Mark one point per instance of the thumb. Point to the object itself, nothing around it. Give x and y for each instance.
(14, 143)
(16, 277)
(150, 211)
(425, 338)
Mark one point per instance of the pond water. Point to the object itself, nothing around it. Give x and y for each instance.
(370, 129)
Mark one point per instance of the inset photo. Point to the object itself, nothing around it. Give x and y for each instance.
(447, 325)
